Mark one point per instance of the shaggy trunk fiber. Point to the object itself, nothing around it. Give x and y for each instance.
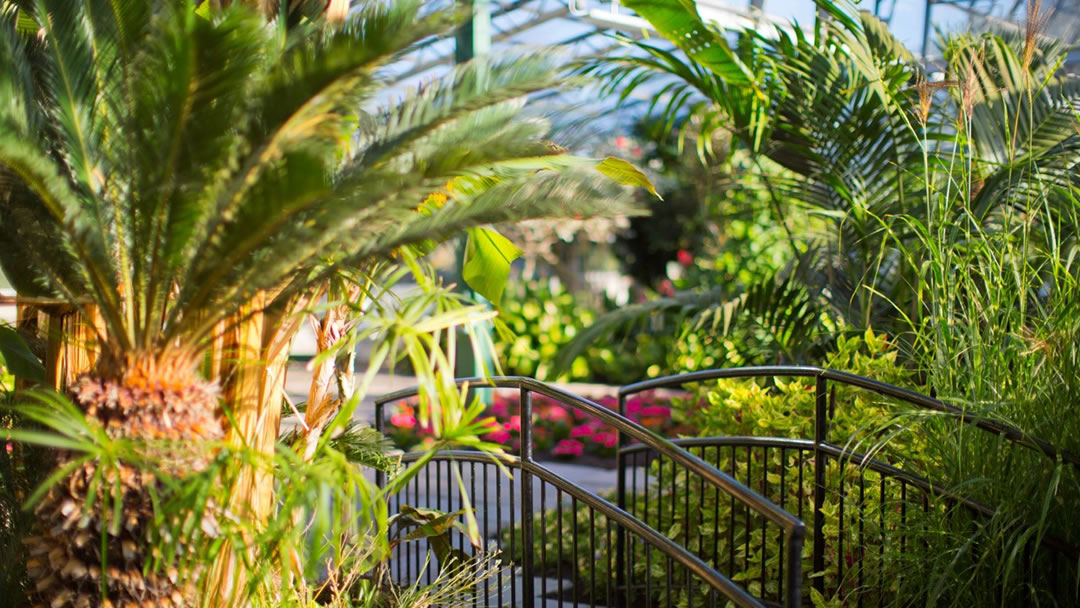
(251, 358)
(67, 562)
(85, 557)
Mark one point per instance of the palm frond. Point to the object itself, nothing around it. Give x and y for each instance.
(778, 306)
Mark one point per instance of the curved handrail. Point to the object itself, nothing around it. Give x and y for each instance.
(841, 453)
(763, 506)
(725, 585)
(1011, 433)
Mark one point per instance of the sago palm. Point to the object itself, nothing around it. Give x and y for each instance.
(162, 170)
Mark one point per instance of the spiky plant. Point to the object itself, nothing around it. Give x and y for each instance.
(165, 171)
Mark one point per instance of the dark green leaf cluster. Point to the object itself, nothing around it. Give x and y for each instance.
(167, 166)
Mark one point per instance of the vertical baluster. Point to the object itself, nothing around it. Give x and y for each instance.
(881, 548)
(674, 493)
(820, 432)
(427, 503)
(451, 480)
(903, 522)
(862, 538)
(801, 455)
(592, 557)
(783, 495)
(558, 540)
(574, 539)
(686, 512)
(731, 527)
(397, 558)
(621, 550)
(609, 532)
(498, 523)
(746, 509)
(412, 551)
(716, 516)
(840, 557)
(543, 538)
(527, 545)
(513, 566)
(659, 494)
(701, 512)
(487, 532)
(764, 522)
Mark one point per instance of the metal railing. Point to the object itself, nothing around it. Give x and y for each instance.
(690, 578)
(852, 558)
(702, 521)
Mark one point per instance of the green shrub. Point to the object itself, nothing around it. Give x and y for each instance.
(543, 317)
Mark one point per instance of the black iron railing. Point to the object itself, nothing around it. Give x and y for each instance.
(703, 521)
(848, 543)
(538, 494)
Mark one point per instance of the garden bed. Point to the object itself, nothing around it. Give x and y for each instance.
(560, 433)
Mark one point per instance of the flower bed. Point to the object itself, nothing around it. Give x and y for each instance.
(559, 432)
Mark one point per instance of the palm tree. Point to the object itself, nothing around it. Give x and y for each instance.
(173, 176)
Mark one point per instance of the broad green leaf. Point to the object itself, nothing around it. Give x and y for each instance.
(622, 172)
(18, 358)
(488, 256)
(679, 22)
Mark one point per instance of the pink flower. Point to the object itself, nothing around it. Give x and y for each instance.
(621, 142)
(514, 424)
(499, 409)
(584, 430)
(557, 414)
(569, 447)
(500, 437)
(605, 438)
(9, 448)
(633, 406)
(403, 421)
(609, 402)
(684, 257)
(656, 410)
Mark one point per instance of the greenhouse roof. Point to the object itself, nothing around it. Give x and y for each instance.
(586, 28)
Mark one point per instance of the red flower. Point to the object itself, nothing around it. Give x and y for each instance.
(556, 414)
(500, 437)
(569, 447)
(684, 257)
(403, 421)
(666, 288)
(584, 430)
(656, 410)
(605, 438)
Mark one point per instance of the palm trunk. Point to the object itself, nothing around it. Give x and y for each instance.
(251, 357)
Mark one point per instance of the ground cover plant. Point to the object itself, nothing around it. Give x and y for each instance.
(191, 179)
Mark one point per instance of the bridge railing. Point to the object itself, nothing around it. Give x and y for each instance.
(563, 551)
(861, 511)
